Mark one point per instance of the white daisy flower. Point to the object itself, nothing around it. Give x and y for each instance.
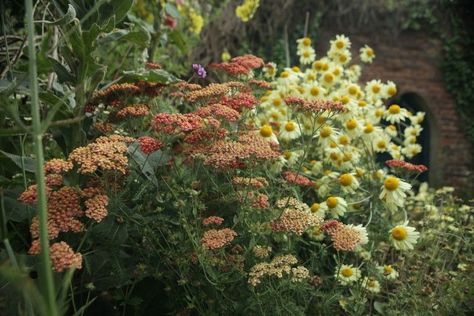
(336, 205)
(393, 191)
(303, 43)
(367, 54)
(391, 130)
(403, 237)
(413, 130)
(347, 274)
(270, 70)
(307, 55)
(317, 210)
(341, 43)
(395, 114)
(381, 143)
(371, 285)
(348, 182)
(266, 132)
(411, 150)
(353, 127)
(290, 130)
(388, 272)
(390, 89)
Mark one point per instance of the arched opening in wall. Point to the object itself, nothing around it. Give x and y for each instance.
(415, 103)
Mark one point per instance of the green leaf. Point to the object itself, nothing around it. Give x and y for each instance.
(143, 163)
(64, 75)
(379, 307)
(112, 37)
(117, 8)
(28, 163)
(17, 211)
(140, 37)
(67, 18)
(176, 38)
(152, 75)
(7, 87)
(171, 10)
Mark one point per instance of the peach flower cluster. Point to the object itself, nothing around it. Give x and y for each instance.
(257, 182)
(295, 178)
(295, 221)
(241, 65)
(149, 144)
(343, 237)
(212, 220)
(136, 110)
(393, 163)
(57, 166)
(217, 238)
(278, 267)
(106, 153)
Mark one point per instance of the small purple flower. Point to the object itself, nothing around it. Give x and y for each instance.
(200, 71)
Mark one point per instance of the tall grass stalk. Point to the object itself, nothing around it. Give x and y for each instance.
(46, 273)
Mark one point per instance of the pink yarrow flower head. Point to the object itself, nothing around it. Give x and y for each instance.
(199, 70)
(170, 22)
(393, 163)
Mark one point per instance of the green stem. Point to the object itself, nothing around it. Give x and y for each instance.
(46, 272)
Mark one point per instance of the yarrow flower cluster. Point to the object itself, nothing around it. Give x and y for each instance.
(393, 163)
(278, 267)
(217, 238)
(106, 153)
(295, 221)
(149, 144)
(212, 220)
(241, 65)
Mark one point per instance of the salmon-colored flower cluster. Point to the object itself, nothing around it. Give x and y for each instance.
(227, 154)
(241, 65)
(204, 135)
(314, 106)
(343, 237)
(260, 84)
(296, 221)
(212, 220)
(152, 66)
(136, 110)
(295, 178)
(64, 209)
(279, 266)
(240, 101)
(256, 183)
(292, 203)
(106, 153)
(30, 195)
(213, 90)
(57, 166)
(217, 238)
(257, 200)
(104, 127)
(53, 180)
(96, 207)
(393, 163)
(63, 257)
(177, 123)
(218, 111)
(149, 144)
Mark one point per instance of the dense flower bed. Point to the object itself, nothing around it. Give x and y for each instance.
(263, 193)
